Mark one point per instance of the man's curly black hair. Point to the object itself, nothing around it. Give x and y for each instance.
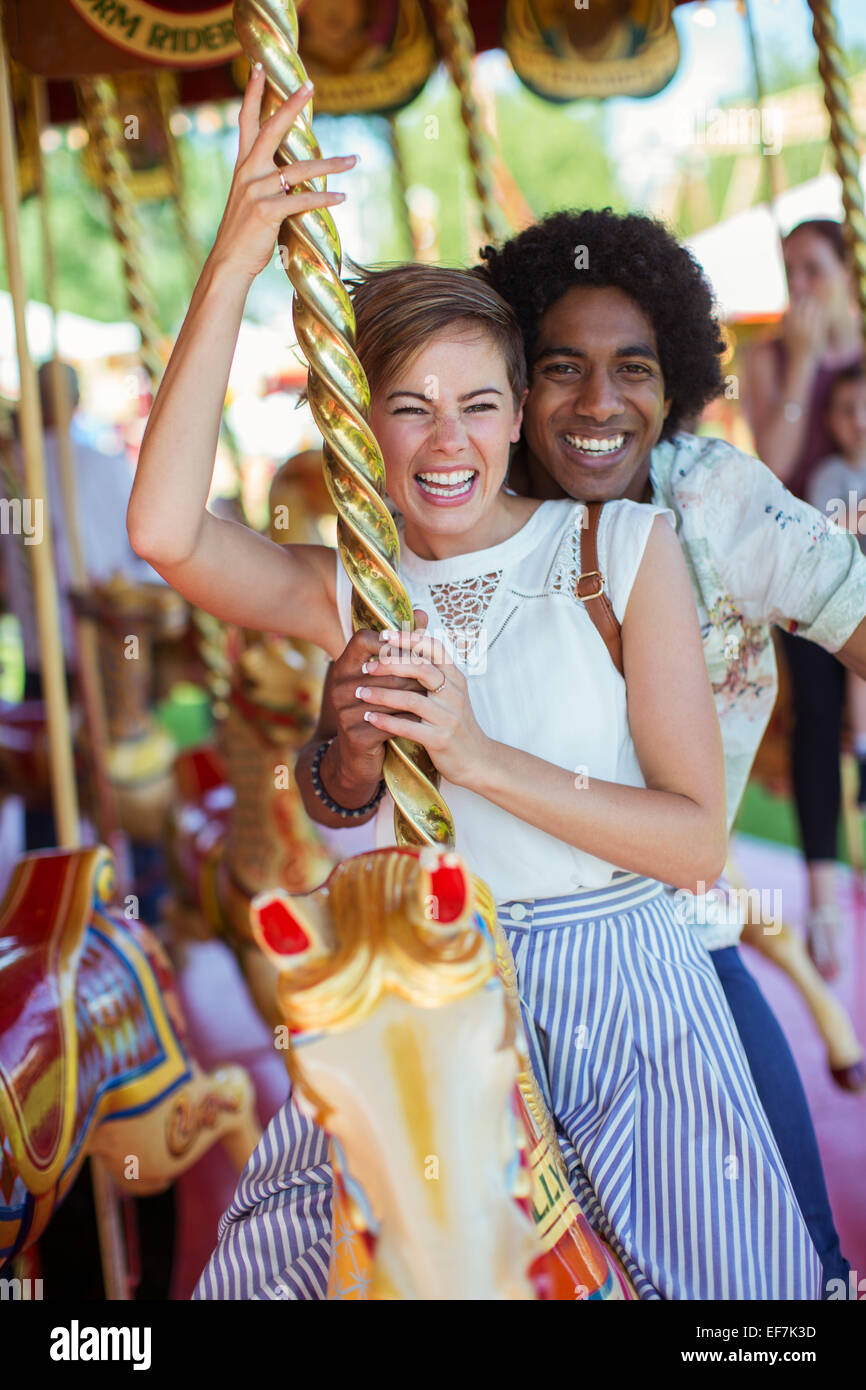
(632, 253)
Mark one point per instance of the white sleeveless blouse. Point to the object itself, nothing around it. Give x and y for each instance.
(540, 679)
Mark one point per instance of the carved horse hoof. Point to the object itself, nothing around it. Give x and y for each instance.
(822, 940)
(851, 1078)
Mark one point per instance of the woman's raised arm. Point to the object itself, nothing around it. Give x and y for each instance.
(776, 394)
(219, 565)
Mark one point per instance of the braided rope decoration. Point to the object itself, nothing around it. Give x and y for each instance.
(339, 397)
(12, 487)
(165, 86)
(99, 107)
(843, 137)
(399, 166)
(457, 42)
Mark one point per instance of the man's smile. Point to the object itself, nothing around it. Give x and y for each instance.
(594, 448)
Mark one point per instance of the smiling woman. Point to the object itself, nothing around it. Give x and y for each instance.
(446, 447)
(444, 358)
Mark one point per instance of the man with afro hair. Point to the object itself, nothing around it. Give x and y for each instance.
(637, 256)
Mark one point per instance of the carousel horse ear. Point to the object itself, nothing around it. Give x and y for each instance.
(445, 888)
(281, 926)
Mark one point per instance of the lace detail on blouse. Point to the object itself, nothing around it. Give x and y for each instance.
(461, 607)
(566, 569)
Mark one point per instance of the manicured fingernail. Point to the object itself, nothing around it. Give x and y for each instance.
(307, 87)
(388, 636)
(340, 197)
(370, 715)
(362, 692)
(368, 667)
(257, 67)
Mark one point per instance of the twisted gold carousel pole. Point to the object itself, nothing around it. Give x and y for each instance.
(63, 785)
(165, 84)
(99, 108)
(340, 398)
(843, 137)
(458, 48)
(91, 687)
(402, 182)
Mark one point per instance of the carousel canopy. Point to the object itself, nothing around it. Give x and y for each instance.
(365, 55)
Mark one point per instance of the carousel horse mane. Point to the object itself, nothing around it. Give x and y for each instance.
(391, 921)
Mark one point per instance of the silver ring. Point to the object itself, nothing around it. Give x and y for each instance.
(283, 185)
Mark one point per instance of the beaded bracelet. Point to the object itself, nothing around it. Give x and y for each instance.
(345, 812)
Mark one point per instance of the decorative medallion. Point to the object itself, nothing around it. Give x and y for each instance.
(365, 55)
(565, 49)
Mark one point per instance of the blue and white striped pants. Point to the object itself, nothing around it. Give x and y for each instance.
(667, 1145)
(274, 1242)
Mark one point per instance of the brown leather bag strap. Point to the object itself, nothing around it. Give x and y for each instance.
(590, 588)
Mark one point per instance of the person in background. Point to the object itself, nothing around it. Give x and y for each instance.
(103, 483)
(786, 387)
(838, 487)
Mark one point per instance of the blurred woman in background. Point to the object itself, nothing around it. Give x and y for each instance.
(788, 382)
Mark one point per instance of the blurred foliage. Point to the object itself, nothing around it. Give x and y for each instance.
(800, 162)
(566, 165)
(555, 154)
(88, 264)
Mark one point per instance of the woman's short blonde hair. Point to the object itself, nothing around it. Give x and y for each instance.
(399, 308)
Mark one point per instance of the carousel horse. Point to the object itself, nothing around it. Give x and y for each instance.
(129, 618)
(240, 825)
(784, 947)
(405, 1045)
(92, 1053)
(25, 768)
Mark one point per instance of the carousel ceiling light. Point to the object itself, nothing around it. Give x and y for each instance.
(50, 140)
(180, 123)
(76, 137)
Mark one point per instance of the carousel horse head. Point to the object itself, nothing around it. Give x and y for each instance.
(130, 616)
(403, 1050)
(299, 505)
